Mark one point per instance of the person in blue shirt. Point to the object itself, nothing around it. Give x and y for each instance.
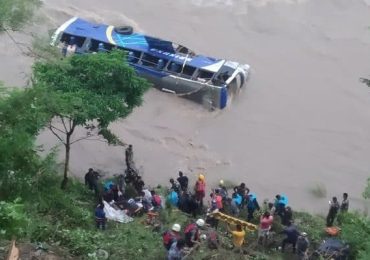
(235, 204)
(252, 205)
(176, 250)
(100, 218)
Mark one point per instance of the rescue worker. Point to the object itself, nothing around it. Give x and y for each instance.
(200, 190)
(171, 236)
(192, 233)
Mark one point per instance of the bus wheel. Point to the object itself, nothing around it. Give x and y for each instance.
(125, 30)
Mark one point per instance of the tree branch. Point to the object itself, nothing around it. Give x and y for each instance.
(87, 138)
(64, 124)
(60, 139)
(56, 128)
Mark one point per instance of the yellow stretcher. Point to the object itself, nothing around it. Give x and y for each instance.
(233, 221)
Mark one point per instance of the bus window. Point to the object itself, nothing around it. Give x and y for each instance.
(174, 67)
(133, 56)
(188, 71)
(96, 46)
(205, 75)
(72, 39)
(152, 61)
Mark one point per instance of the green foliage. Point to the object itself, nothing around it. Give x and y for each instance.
(356, 231)
(13, 219)
(15, 13)
(87, 90)
(98, 87)
(366, 193)
(20, 121)
(42, 50)
(311, 224)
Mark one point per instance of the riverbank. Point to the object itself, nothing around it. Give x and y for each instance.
(302, 121)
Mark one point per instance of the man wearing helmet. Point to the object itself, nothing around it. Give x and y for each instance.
(200, 190)
(192, 233)
(171, 236)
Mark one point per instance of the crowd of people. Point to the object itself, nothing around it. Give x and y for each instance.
(191, 199)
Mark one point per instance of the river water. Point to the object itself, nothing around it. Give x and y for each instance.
(302, 120)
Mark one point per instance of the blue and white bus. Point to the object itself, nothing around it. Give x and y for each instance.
(169, 66)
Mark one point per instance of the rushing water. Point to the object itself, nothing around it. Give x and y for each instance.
(303, 119)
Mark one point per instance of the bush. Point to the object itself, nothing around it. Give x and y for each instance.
(355, 232)
(13, 219)
(311, 224)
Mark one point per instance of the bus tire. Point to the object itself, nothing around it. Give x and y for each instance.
(125, 30)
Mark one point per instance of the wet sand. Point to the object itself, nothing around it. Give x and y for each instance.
(303, 119)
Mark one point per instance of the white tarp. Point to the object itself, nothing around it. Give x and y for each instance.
(116, 215)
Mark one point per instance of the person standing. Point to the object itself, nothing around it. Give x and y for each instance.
(292, 234)
(129, 153)
(183, 180)
(91, 180)
(200, 190)
(345, 203)
(252, 205)
(243, 192)
(265, 227)
(175, 186)
(238, 236)
(302, 246)
(287, 216)
(100, 218)
(333, 211)
(223, 191)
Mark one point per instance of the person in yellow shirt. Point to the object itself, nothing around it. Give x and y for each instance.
(238, 236)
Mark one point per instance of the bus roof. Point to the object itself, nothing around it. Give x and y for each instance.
(138, 42)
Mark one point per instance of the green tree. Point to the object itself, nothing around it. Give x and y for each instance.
(87, 90)
(366, 193)
(15, 13)
(20, 121)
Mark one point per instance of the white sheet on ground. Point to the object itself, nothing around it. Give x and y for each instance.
(116, 215)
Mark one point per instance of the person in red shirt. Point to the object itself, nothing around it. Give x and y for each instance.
(200, 190)
(218, 199)
(264, 228)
